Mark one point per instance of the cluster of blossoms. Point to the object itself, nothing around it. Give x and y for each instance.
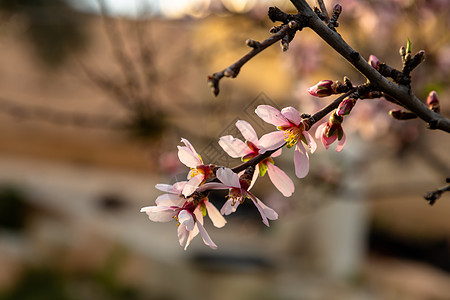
(187, 201)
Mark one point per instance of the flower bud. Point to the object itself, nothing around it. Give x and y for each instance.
(433, 101)
(345, 106)
(399, 114)
(337, 9)
(374, 61)
(323, 89)
(252, 43)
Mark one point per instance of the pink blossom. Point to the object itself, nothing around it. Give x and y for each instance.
(292, 131)
(186, 211)
(238, 192)
(330, 131)
(251, 148)
(199, 172)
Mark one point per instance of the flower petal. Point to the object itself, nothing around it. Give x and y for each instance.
(341, 143)
(170, 200)
(254, 178)
(205, 236)
(301, 161)
(229, 207)
(271, 115)
(280, 180)
(228, 177)
(291, 114)
(312, 145)
(327, 141)
(265, 211)
(319, 130)
(184, 236)
(247, 131)
(271, 141)
(217, 219)
(160, 213)
(185, 218)
(234, 147)
(190, 147)
(212, 186)
(277, 153)
(188, 158)
(192, 184)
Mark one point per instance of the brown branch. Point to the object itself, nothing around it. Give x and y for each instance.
(401, 93)
(233, 70)
(323, 10)
(433, 196)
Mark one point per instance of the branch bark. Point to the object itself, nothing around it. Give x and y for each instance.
(401, 93)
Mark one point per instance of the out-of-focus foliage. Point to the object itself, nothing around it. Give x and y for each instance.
(52, 27)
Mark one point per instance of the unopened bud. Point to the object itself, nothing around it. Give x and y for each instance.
(337, 9)
(252, 43)
(402, 51)
(399, 114)
(374, 61)
(345, 106)
(433, 101)
(323, 88)
(284, 46)
(228, 73)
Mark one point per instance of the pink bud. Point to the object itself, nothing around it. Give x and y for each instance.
(433, 101)
(345, 106)
(323, 89)
(374, 61)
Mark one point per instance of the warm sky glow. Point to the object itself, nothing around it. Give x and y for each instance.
(168, 8)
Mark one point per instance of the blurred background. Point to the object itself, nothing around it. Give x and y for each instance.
(95, 96)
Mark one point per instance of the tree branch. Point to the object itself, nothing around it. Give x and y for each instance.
(401, 93)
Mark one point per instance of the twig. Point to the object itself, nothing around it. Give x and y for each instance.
(433, 196)
(323, 10)
(233, 70)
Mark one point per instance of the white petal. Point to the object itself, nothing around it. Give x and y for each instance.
(189, 146)
(271, 115)
(229, 207)
(234, 147)
(228, 177)
(254, 178)
(291, 114)
(265, 211)
(301, 161)
(247, 131)
(280, 180)
(168, 188)
(188, 158)
(205, 236)
(312, 145)
(271, 141)
(185, 218)
(170, 200)
(193, 184)
(159, 213)
(184, 236)
(214, 214)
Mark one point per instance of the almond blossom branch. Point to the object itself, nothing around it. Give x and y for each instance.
(401, 93)
(233, 70)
